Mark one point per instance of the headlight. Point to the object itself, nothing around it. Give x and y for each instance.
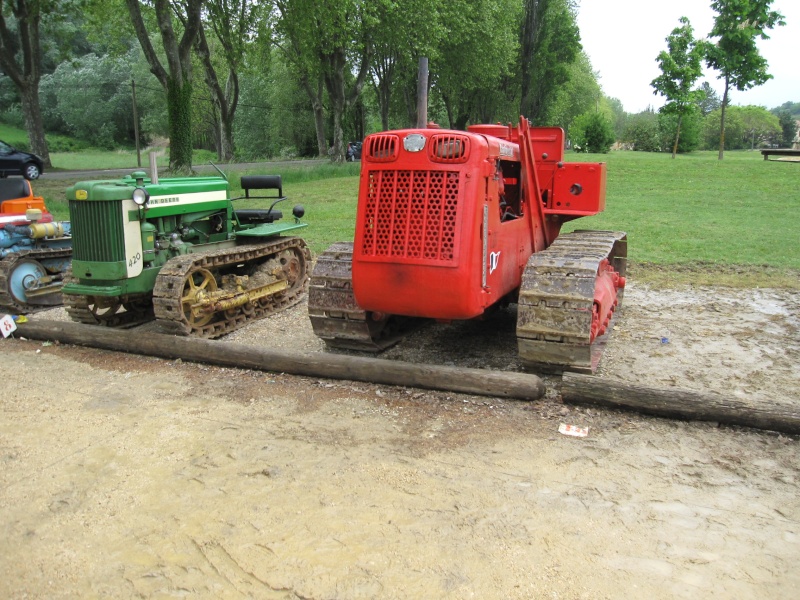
(414, 142)
(140, 196)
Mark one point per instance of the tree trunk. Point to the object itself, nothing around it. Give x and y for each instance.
(677, 137)
(722, 119)
(384, 100)
(680, 404)
(462, 118)
(384, 71)
(338, 154)
(179, 114)
(319, 125)
(225, 100)
(177, 82)
(334, 67)
(20, 60)
(410, 104)
(225, 137)
(334, 82)
(495, 384)
(422, 93)
(226, 113)
(31, 110)
(315, 97)
(449, 110)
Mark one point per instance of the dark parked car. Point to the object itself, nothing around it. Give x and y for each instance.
(17, 162)
(353, 151)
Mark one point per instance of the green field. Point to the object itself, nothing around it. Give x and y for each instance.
(693, 219)
(737, 220)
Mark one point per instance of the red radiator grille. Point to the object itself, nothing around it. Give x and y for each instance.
(412, 215)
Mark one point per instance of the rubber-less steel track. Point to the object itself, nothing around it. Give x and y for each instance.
(556, 297)
(336, 317)
(282, 259)
(109, 311)
(7, 265)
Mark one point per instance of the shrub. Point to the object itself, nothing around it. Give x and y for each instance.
(592, 132)
(643, 132)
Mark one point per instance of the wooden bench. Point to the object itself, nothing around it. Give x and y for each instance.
(780, 152)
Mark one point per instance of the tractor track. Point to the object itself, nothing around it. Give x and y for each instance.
(97, 310)
(168, 300)
(335, 315)
(555, 301)
(166, 303)
(7, 265)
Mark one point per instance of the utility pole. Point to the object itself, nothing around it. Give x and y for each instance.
(422, 93)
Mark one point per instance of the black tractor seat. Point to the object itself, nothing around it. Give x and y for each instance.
(258, 215)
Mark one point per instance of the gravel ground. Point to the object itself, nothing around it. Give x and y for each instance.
(126, 476)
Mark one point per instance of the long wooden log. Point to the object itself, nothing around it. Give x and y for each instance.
(500, 384)
(680, 403)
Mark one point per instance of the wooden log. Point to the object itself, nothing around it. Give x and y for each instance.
(501, 384)
(680, 403)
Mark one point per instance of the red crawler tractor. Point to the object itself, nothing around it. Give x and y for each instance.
(451, 224)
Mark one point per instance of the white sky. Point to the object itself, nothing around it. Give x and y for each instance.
(623, 39)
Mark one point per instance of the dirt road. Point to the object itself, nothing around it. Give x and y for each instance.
(126, 476)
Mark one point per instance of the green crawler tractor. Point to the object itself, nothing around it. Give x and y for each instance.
(176, 250)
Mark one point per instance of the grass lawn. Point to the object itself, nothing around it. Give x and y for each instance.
(693, 219)
(736, 219)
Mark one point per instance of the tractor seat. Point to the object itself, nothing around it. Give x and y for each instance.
(258, 215)
(13, 189)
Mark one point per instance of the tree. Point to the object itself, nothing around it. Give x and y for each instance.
(691, 130)
(405, 30)
(579, 95)
(709, 100)
(102, 82)
(792, 107)
(274, 118)
(550, 43)
(735, 55)
(643, 132)
(292, 31)
(619, 116)
(760, 126)
(234, 24)
(788, 127)
(176, 79)
(328, 44)
(734, 128)
(472, 70)
(21, 60)
(680, 68)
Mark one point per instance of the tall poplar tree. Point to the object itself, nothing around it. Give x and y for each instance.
(550, 44)
(734, 53)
